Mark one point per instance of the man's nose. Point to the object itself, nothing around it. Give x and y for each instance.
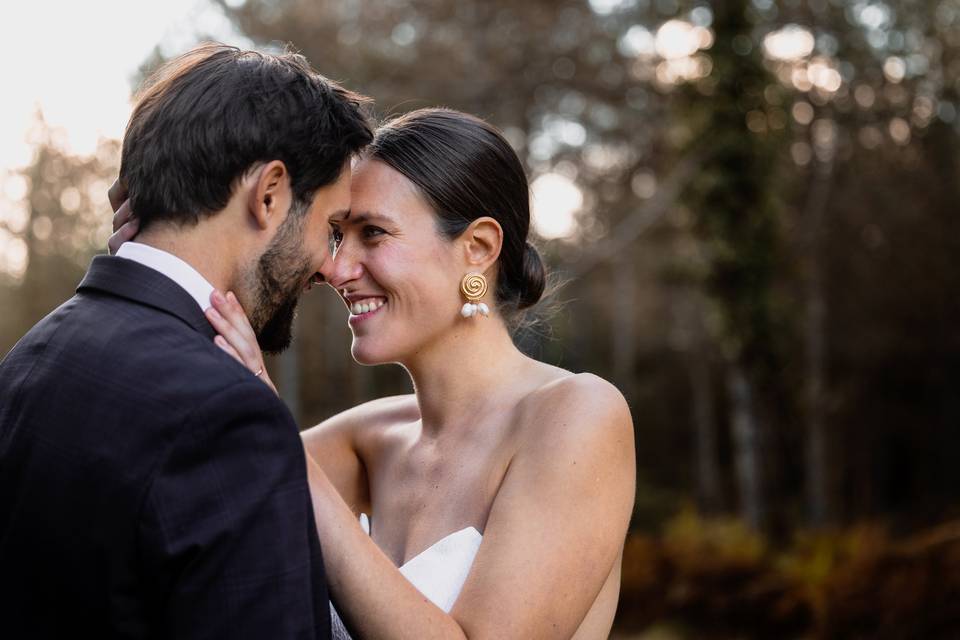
(326, 268)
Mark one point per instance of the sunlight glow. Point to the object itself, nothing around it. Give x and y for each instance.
(677, 70)
(900, 131)
(74, 62)
(606, 7)
(637, 41)
(69, 67)
(792, 42)
(821, 74)
(873, 15)
(680, 39)
(13, 255)
(556, 202)
(895, 69)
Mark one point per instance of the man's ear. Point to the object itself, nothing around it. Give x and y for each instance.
(270, 194)
(482, 242)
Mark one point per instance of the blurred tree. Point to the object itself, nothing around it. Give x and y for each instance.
(734, 202)
(761, 249)
(871, 89)
(788, 97)
(64, 225)
(762, 252)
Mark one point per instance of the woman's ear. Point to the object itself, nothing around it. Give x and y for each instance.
(270, 194)
(482, 242)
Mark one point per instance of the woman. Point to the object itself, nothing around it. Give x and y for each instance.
(502, 488)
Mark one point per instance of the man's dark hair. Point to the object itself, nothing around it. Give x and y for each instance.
(204, 119)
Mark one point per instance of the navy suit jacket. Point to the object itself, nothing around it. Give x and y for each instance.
(150, 486)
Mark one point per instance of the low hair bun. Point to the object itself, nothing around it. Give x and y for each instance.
(533, 278)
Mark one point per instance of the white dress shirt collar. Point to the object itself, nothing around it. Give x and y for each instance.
(172, 267)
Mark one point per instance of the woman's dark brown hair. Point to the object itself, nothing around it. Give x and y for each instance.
(466, 170)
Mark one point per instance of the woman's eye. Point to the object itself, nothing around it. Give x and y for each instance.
(372, 232)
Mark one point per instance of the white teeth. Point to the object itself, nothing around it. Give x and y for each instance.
(372, 304)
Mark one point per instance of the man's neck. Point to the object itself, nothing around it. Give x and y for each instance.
(195, 248)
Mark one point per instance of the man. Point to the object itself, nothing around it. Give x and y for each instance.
(150, 486)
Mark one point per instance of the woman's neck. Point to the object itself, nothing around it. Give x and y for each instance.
(463, 373)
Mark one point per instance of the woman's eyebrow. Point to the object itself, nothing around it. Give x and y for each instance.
(367, 216)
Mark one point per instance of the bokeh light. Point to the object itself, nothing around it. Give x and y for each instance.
(556, 202)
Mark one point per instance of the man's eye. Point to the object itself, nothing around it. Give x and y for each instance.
(336, 238)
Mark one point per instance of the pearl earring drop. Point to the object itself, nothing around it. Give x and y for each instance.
(468, 310)
(473, 287)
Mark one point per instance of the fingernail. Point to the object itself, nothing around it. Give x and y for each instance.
(214, 314)
(232, 297)
(217, 296)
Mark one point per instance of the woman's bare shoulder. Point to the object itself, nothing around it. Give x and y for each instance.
(575, 407)
(369, 416)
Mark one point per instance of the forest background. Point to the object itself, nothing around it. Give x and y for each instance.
(752, 208)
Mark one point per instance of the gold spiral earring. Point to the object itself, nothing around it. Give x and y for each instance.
(473, 287)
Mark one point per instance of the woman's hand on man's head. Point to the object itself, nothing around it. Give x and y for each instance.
(125, 224)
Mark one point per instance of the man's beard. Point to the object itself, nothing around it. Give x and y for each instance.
(280, 276)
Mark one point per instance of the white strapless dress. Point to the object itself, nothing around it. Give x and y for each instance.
(438, 572)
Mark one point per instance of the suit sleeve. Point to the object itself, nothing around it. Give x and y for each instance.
(226, 524)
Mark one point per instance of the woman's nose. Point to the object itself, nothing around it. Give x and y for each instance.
(341, 267)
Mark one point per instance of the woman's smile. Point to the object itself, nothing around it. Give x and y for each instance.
(362, 308)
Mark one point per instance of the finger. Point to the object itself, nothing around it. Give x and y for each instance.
(122, 215)
(117, 193)
(127, 232)
(242, 322)
(249, 356)
(265, 379)
(229, 335)
(261, 373)
(229, 307)
(223, 344)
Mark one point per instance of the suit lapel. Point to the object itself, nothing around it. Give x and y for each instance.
(146, 286)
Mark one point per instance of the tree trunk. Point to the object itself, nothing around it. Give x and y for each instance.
(747, 446)
(819, 499)
(705, 429)
(623, 316)
(697, 358)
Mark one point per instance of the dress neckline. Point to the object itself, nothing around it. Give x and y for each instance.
(366, 525)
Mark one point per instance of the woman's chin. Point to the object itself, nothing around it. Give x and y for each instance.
(367, 354)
